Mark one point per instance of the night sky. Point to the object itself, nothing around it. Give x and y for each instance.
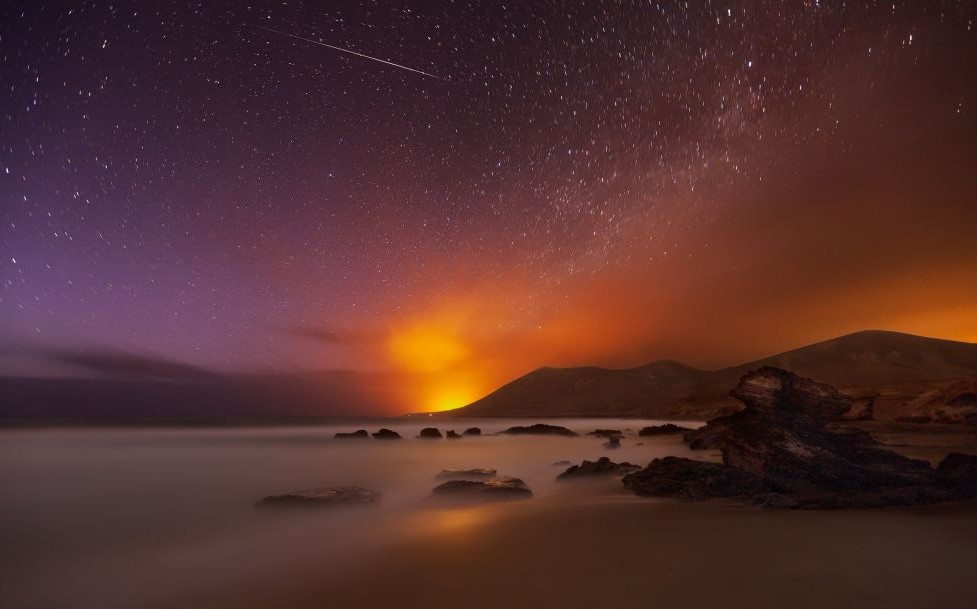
(550, 183)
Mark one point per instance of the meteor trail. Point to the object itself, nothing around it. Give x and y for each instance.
(342, 50)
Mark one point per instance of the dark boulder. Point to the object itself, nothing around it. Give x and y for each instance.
(387, 434)
(693, 480)
(601, 467)
(472, 431)
(612, 442)
(360, 434)
(466, 474)
(663, 430)
(777, 453)
(430, 433)
(540, 429)
(322, 497)
(492, 489)
(453, 435)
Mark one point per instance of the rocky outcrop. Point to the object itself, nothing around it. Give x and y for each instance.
(430, 433)
(776, 452)
(466, 474)
(693, 480)
(360, 434)
(862, 409)
(601, 467)
(539, 429)
(472, 431)
(387, 434)
(493, 489)
(322, 497)
(606, 433)
(452, 435)
(956, 403)
(663, 430)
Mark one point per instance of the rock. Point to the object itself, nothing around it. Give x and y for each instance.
(612, 442)
(956, 403)
(322, 497)
(467, 473)
(777, 453)
(452, 435)
(958, 473)
(606, 433)
(663, 430)
(430, 433)
(492, 489)
(359, 434)
(862, 409)
(387, 434)
(562, 462)
(693, 480)
(601, 467)
(540, 429)
(472, 431)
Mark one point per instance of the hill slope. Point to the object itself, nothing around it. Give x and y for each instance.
(862, 362)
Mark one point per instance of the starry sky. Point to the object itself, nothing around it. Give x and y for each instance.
(193, 186)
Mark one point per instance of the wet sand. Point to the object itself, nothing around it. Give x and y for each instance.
(618, 551)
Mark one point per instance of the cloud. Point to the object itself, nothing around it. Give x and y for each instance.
(113, 363)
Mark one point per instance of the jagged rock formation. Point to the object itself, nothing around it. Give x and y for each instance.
(956, 403)
(322, 497)
(601, 467)
(777, 452)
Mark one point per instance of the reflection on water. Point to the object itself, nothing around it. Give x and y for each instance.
(150, 517)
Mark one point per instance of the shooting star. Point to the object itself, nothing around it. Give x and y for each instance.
(342, 50)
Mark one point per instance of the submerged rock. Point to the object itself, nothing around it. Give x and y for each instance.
(612, 442)
(777, 453)
(606, 433)
(601, 467)
(430, 433)
(360, 434)
(322, 497)
(493, 489)
(467, 473)
(472, 431)
(663, 430)
(452, 435)
(540, 429)
(387, 434)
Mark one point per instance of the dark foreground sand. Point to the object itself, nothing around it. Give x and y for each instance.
(618, 551)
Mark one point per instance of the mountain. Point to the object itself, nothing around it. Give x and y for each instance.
(892, 365)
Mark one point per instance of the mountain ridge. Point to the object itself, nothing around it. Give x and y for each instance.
(869, 362)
